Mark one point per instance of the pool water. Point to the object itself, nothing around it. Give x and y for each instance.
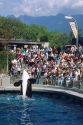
(40, 110)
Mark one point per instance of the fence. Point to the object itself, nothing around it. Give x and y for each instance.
(54, 81)
(62, 82)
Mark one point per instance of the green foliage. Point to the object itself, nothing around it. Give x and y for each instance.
(3, 60)
(58, 39)
(12, 28)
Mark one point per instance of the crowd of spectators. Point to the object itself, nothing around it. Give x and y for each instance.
(50, 65)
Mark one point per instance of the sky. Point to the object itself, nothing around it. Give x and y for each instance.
(40, 7)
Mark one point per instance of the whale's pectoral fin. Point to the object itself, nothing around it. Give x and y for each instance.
(18, 83)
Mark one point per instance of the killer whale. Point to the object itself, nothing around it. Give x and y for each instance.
(26, 84)
(28, 89)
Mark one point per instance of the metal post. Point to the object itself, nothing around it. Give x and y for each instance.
(77, 37)
(7, 62)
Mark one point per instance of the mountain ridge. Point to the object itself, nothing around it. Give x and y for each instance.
(56, 23)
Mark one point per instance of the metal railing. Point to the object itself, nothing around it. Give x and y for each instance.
(53, 81)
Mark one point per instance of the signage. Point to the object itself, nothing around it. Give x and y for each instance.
(74, 29)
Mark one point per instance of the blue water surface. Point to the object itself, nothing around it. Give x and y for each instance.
(40, 110)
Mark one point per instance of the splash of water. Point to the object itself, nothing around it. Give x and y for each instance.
(25, 78)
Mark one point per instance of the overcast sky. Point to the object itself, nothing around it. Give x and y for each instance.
(40, 7)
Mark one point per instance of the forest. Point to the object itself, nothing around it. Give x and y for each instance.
(15, 29)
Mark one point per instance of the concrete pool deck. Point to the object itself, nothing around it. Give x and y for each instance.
(45, 88)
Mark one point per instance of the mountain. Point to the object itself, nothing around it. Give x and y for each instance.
(53, 23)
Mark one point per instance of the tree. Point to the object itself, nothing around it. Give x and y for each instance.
(58, 39)
(13, 28)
